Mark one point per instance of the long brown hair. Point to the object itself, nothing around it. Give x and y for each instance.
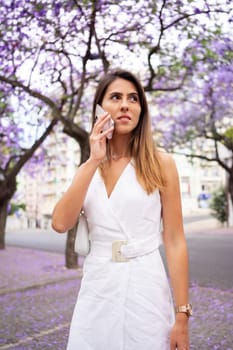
(142, 147)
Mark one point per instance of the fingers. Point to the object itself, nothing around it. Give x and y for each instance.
(100, 121)
(175, 346)
(179, 344)
(103, 126)
(179, 337)
(98, 137)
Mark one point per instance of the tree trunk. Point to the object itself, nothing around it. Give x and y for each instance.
(85, 150)
(230, 205)
(71, 256)
(3, 217)
(230, 187)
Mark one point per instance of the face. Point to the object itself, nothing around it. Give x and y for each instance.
(121, 100)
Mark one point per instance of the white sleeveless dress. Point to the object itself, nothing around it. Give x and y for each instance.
(122, 305)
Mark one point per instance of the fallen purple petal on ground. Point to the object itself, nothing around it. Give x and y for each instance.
(37, 297)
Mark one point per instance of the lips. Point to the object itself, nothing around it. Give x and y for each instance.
(124, 117)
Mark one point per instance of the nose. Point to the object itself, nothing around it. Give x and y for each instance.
(124, 104)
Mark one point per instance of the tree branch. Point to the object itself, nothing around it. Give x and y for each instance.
(8, 185)
(156, 48)
(192, 15)
(150, 88)
(73, 130)
(200, 156)
(33, 93)
(85, 60)
(29, 152)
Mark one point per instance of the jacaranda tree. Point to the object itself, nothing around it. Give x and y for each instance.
(197, 120)
(55, 52)
(20, 142)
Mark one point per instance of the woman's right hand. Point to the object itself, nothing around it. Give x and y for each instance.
(98, 138)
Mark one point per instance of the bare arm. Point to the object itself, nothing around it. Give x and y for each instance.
(175, 248)
(67, 209)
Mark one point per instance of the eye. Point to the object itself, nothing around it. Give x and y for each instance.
(133, 98)
(115, 96)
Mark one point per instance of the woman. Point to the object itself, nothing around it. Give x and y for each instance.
(125, 188)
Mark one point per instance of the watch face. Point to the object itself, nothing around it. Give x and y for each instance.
(187, 309)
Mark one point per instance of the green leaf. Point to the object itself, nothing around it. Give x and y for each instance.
(229, 134)
(218, 205)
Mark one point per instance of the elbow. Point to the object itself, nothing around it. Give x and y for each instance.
(58, 223)
(58, 227)
(62, 222)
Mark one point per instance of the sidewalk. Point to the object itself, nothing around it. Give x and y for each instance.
(206, 226)
(23, 268)
(37, 296)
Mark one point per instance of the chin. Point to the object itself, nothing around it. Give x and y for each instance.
(123, 132)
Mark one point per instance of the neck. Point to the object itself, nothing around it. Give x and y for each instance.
(119, 148)
(116, 156)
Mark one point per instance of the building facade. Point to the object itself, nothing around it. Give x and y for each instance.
(41, 192)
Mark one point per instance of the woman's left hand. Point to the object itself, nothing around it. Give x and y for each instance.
(179, 337)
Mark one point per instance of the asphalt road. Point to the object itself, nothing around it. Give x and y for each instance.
(36, 312)
(211, 260)
(49, 240)
(210, 254)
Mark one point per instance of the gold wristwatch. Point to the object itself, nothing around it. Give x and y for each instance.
(186, 309)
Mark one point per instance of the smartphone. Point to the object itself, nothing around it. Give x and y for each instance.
(99, 112)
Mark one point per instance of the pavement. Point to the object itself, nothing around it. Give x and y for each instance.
(38, 294)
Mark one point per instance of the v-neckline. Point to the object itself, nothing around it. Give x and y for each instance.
(109, 196)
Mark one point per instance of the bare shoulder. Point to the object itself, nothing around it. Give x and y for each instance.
(169, 168)
(170, 172)
(166, 159)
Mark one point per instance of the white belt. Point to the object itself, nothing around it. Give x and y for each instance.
(123, 250)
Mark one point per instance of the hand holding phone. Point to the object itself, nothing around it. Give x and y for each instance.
(99, 112)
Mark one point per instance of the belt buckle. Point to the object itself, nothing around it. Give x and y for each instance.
(116, 251)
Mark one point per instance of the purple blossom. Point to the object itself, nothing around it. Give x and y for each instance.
(197, 10)
(44, 48)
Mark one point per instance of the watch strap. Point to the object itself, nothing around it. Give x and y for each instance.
(187, 309)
